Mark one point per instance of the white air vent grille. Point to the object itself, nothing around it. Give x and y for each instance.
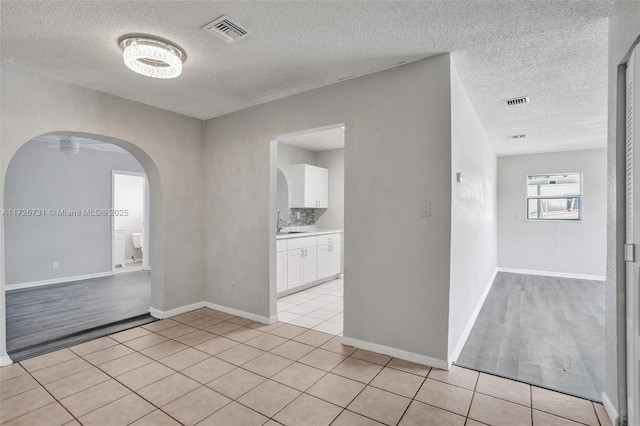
(517, 101)
(227, 29)
(517, 137)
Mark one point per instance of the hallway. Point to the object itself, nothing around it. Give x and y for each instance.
(541, 330)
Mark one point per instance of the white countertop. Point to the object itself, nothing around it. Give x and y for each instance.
(308, 234)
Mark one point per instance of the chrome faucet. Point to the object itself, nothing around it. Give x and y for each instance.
(279, 222)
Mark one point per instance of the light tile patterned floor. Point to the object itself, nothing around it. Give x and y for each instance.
(209, 368)
(319, 308)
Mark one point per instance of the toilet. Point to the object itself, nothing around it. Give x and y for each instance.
(137, 241)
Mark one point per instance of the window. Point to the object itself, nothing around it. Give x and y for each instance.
(554, 197)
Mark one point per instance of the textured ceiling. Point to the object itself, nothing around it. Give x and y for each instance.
(320, 140)
(298, 46)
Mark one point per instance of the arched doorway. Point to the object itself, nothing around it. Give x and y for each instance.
(74, 219)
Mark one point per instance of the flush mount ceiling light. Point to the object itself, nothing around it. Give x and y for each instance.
(69, 146)
(152, 57)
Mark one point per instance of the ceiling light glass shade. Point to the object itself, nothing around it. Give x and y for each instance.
(69, 146)
(152, 58)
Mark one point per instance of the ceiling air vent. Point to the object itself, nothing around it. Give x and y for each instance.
(227, 29)
(516, 137)
(517, 101)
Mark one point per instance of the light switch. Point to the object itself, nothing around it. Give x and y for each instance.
(459, 177)
(425, 209)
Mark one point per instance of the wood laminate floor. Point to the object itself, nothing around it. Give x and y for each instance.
(544, 331)
(43, 314)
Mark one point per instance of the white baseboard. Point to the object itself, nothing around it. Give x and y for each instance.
(397, 353)
(554, 274)
(5, 360)
(243, 314)
(9, 287)
(611, 411)
(474, 316)
(156, 313)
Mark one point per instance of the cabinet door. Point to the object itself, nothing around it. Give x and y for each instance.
(281, 271)
(310, 268)
(324, 261)
(335, 258)
(294, 268)
(322, 188)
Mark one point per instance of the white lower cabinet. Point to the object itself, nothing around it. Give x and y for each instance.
(307, 259)
(309, 265)
(302, 267)
(294, 268)
(329, 255)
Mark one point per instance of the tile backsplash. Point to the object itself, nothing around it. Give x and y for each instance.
(307, 217)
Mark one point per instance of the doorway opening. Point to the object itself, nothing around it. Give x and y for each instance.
(309, 212)
(61, 288)
(129, 204)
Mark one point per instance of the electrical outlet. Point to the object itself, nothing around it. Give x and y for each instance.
(54, 265)
(298, 215)
(232, 287)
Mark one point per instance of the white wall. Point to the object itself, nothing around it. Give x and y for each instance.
(332, 217)
(397, 154)
(553, 246)
(624, 29)
(168, 145)
(129, 196)
(40, 176)
(473, 216)
(289, 154)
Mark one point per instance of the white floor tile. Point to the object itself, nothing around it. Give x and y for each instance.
(283, 306)
(337, 318)
(319, 308)
(334, 307)
(315, 304)
(287, 316)
(329, 299)
(301, 309)
(307, 322)
(329, 327)
(322, 314)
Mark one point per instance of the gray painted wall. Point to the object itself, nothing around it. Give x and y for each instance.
(554, 246)
(168, 145)
(40, 176)
(473, 212)
(397, 154)
(624, 28)
(333, 217)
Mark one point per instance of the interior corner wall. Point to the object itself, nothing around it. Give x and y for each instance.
(333, 217)
(624, 29)
(573, 247)
(473, 216)
(169, 144)
(40, 176)
(289, 154)
(397, 156)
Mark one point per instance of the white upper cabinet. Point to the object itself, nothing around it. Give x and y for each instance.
(308, 187)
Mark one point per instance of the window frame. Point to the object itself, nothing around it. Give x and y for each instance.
(580, 197)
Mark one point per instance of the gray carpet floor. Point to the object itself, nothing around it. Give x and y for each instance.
(544, 331)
